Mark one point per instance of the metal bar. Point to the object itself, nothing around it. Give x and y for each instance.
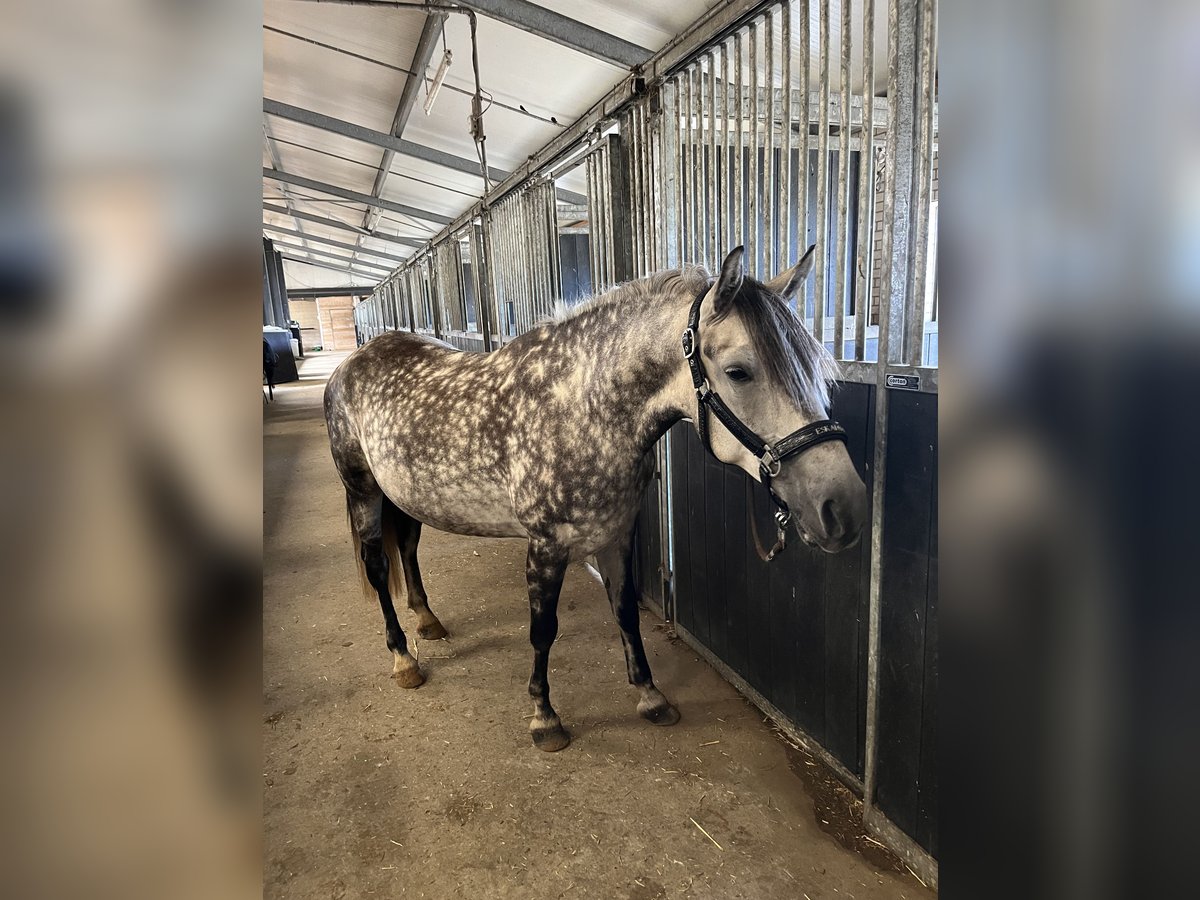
(866, 187)
(767, 249)
(315, 293)
(331, 255)
(919, 252)
(426, 45)
(738, 218)
(632, 127)
(786, 251)
(680, 162)
(332, 243)
(802, 230)
(355, 196)
(560, 29)
(820, 280)
(345, 226)
(324, 265)
(669, 165)
(611, 265)
(379, 139)
(645, 199)
(600, 279)
(897, 180)
(711, 214)
(843, 179)
(752, 194)
(288, 200)
(696, 160)
(589, 166)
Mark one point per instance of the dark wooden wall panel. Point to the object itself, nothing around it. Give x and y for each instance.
(795, 628)
(904, 614)
(683, 572)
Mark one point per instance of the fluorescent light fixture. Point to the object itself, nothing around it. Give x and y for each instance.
(431, 89)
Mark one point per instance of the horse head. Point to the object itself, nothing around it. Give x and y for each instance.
(758, 361)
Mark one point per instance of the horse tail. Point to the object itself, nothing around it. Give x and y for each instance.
(388, 521)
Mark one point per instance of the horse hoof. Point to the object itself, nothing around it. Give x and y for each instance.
(550, 739)
(663, 714)
(435, 631)
(408, 676)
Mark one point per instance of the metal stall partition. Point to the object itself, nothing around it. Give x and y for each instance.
(773, 138)
(524, 264)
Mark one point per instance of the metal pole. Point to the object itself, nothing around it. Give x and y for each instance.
(738, 219)
(786, 253)
(866, 187)
(802, 167)
(820, 285)
(843, 179)
(915, 308)
(752, 194)
(765, 250)
(897, 183)
(710, 204)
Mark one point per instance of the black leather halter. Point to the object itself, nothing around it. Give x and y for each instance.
(770, 457)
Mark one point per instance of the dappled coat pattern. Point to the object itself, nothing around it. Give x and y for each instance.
(544, 439)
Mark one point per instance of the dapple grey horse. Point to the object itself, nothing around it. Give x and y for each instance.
(546, 439)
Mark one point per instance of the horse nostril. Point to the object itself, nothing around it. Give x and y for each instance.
(830, 521)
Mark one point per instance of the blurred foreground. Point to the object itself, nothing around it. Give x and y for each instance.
(130, 454)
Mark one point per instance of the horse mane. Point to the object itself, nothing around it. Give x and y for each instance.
(689, 279)
(791, 356)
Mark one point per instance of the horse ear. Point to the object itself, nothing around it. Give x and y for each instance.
(730, 282)
(786, 284)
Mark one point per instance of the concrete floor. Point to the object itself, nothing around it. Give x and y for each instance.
(371, 789)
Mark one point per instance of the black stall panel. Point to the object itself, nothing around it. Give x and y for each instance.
(647, 548)
(906, 780)
(794, 629)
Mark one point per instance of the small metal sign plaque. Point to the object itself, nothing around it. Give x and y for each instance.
(904, 382)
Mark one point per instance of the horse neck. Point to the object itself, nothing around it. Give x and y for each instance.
(629, 355)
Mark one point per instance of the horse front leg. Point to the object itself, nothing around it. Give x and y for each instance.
(617, 572)
(544, 569)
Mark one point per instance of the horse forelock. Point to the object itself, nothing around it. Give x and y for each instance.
(790, 355)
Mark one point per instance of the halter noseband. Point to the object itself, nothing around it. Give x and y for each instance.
(770, 457)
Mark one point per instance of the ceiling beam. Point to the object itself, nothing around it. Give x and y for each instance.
(387, 257)
(322, 265)
(273, 150)
(349, 290)
(345, 226)
(389, 142)
(422, 56)
(562, 30)
(336, 257)
(379, 139)
(355, 196)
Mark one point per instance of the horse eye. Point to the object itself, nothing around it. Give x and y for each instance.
(738, 374)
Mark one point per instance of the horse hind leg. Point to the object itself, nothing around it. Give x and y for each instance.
(407, 533)
(366, 523)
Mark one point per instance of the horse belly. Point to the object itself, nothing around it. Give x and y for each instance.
(473, 506)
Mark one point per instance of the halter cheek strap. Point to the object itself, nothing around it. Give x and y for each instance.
(770, 457)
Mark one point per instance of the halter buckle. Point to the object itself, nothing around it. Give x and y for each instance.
(689, 342)
(769, 463)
